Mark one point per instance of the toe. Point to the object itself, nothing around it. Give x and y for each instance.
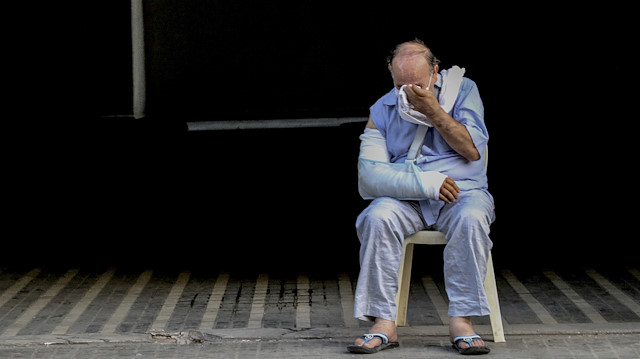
(373, 343)
(370, 344)
(474, 343)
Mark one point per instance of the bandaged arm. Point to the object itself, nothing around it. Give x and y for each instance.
(377, 177)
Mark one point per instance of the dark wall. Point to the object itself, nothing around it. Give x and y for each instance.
(558, 95)
(278, 59)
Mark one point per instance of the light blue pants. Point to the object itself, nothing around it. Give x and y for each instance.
(384, 224)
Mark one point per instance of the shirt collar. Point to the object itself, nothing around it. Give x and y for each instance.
(391, 98)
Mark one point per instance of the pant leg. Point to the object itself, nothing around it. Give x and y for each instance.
(466, 223)
(381, 228)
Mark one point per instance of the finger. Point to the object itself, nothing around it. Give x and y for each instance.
(452, 183)
(449, 185)
(446, 195)
(408, 90)
(416, 90)
(452, 193)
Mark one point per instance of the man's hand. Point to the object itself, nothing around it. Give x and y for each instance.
(455, 133)
(449, 190)
(423, 101)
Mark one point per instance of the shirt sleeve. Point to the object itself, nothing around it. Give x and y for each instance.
(382, 111)
(469, 111)
(375, 113)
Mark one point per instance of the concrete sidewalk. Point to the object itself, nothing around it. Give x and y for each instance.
(117, 313)
(524, 341)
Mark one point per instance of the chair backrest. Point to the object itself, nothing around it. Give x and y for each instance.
(486, 157)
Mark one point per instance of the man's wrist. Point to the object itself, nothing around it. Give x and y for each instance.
(438, 117)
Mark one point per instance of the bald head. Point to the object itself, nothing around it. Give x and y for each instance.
(412, 63)
(411, 50)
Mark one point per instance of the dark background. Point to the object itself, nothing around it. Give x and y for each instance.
(86, 183)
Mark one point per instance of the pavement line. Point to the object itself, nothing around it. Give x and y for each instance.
(83, 303)
(170, 302)
(346, 299)
(17, 286)
(303, 310)
(259, 296)
(539, 310)
(442, 308)
(132, 294)
(213, 305)
(613, 290)
(582, 304)
(634, 272)
(32, 311)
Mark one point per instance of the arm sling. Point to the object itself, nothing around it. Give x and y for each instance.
(377, 177)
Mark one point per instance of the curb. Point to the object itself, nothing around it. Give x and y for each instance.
(421, 331)
(270, 334)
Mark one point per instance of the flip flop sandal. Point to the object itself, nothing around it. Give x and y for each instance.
(386, 344)
(471, 350)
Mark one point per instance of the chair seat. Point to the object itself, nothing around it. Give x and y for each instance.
(427, 237)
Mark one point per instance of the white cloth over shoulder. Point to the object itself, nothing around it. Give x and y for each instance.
(377, 177)
(451, 81)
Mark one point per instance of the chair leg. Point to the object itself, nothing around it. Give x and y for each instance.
(491, 289)
(404, 281)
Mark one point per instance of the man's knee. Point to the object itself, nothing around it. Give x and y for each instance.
(380, 210)
(469, 222)
(473, 210)
(381, 216)
(474, 216)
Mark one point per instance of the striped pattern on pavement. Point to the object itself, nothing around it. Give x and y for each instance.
(39, 302)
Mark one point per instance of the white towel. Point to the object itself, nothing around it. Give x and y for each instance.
(451, 81)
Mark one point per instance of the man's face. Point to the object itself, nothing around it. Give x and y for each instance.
(411, 70)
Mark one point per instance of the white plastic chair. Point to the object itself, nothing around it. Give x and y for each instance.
(437, 238)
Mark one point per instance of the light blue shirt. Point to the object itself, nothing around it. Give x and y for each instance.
(436, 154)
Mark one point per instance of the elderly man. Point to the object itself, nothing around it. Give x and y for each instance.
(447, 192)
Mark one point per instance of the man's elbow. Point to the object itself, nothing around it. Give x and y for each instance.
(473, 155)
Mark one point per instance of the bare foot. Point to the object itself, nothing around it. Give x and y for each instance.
(384, 326)
(462, 326)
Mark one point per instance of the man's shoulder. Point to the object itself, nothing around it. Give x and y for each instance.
(382, 110)
(388, 99)
(468, 85)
